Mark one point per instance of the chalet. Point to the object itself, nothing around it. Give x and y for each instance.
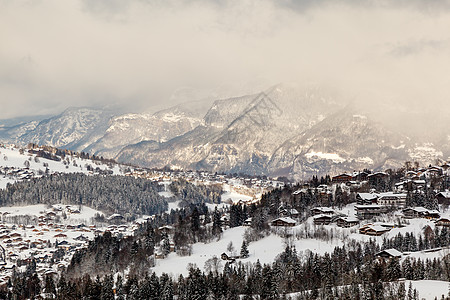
(248, 222)
(373, 230)
(115, 217)
(434, 171)
(51, 215)
(360, 176)
(366, 198)
(322, 219)
(347, 222)
(224, 256)
(293, 213)
(389, 253)
(225, 220)
(443, 222)
(342, 178)
(420, 212)
(368, 211)
(322, 210)
(167, 229)
(443, 198)
(285, 221)
(392, 199)
(60, 235)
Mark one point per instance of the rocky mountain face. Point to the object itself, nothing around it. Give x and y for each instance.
(288, 130)
(131, 129)
(239, 134)
(74, 129)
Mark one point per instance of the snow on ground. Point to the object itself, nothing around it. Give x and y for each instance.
(10, 157)
(173, 205)
(234, 197)
(429, 289)
(166, 194)
(329, 156)
(264, 250)
(4, 182)
(86, 213)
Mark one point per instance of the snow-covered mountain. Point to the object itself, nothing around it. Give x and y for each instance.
(74, 129)
(239, 134)
(289, 130)
(159, 127)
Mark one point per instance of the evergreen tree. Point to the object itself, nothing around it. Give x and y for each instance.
(244, 250)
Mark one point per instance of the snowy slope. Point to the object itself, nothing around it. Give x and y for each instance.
(11, 157)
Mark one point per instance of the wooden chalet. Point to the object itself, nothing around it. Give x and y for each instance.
(322, 211)
(375, 230)
(284, 221)
(420, 212)
(342, 178)
(368, 211)
(247, 222)
(347, 222)
(389, 253)
(322, 219)
(293, 213)
(443, 198)
(366, 198)
(443, 222)
(392, 199)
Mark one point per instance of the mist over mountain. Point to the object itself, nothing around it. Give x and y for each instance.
(287, 130)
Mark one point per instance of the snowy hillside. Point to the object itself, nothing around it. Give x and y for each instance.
(16, 165)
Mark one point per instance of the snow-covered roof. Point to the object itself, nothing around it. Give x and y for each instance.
(323, 209)
(286, 220)
(367, 206)
(349, 219)
(378, 228)
(367, 196)
(445, 194)
(392, 252)
(321, 216)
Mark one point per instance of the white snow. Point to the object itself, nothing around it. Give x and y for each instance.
(429, 289)
(328, 156)
(264, 250)
(11, 157)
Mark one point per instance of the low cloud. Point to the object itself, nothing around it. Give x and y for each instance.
(145, 54)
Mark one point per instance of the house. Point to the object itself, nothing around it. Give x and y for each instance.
(366, 198)
(347, 222)
(293, 212)
(443, 222)
(167, 229)
(420, 212)
(115, 217)
(392, 199)
(225, 220)
(60, 235)
(376, 230)
(368, 211)
(248, 222)
(322, 219)
(284, 221)
(389, 253)
(342, 178)
(322, 210)
(443, 198)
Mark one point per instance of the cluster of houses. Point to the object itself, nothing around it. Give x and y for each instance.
(47, 240)
(18, 173)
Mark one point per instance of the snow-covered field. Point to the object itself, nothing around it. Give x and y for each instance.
(11, 157)
(264, 250)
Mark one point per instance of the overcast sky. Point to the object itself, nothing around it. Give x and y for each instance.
(146, 53)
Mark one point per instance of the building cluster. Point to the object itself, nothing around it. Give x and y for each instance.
(48, 239)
